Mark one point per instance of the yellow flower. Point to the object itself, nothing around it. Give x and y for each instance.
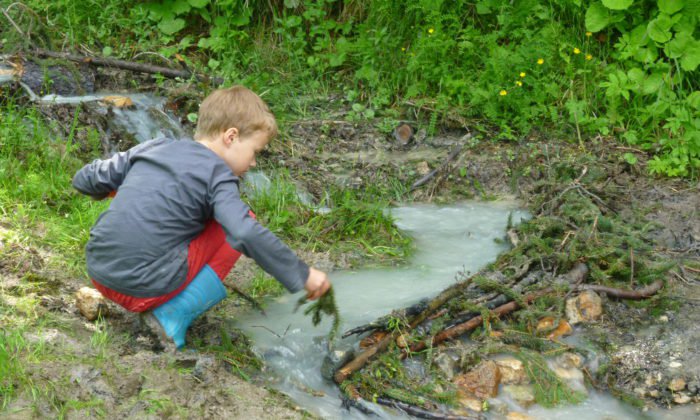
(589, 57)
(503, 92)
(540, 61)
(522, 74)
(577, 51)
(431, 30)
(518, 82)
(589, 34)
(403, 48)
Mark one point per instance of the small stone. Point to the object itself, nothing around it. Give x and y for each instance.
(681, 398)
(640, 391)
(401, 341)
(523, 394)
(90, 303)
(512, 371)
(514, 415)
(569, 374)
(336, 359)
(586, 307)
(403, 134)
(676, 384)
(469, 401)
(482, 381)
(118, 101)
(545, 324)
(446, 364)
(654, 393)
(422, 168)
(563, 328)
(675, 365)
(570, 360)
(663, 318)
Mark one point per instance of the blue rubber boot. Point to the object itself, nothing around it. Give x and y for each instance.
(176, 315)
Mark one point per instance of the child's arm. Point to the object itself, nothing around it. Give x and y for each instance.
(246, 235)
(104, 176)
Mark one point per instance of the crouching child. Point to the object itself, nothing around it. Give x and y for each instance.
(177, 225)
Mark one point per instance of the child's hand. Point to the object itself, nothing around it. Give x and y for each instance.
(317, 284)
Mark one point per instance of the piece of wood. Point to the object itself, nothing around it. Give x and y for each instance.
(639, 294)
(127, 65)
(422, 413)
(439, 169)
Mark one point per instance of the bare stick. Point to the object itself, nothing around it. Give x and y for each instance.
(638, 294)
(421, 412)
(127, 65)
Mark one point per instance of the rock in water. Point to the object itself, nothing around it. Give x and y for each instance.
(512, 370)
(481, 381)
(90, 303)
(336, 359)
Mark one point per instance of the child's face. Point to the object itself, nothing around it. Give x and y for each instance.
(241, 151)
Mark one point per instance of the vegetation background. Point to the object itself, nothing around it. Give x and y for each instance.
(612, 67)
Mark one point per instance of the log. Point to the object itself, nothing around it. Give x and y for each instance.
(128, 65)
(473, 323)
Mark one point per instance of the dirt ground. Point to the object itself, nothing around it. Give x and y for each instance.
(115, 369)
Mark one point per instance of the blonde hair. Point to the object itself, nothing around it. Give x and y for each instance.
(237, 107)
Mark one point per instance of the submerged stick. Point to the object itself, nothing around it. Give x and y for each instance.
(421, 412)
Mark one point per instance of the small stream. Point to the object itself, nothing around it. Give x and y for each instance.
(449, 239)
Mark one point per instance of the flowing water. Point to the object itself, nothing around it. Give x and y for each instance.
(449, 239)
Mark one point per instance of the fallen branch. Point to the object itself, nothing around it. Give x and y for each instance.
(128, 65)
(638, 294)
(471, 324)
(437, 170)
(421, 412)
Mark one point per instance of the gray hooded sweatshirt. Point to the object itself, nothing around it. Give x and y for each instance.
(168, 190)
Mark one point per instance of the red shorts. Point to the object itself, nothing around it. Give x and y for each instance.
(210, 247)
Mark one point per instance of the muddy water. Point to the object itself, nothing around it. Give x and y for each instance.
(449, 239)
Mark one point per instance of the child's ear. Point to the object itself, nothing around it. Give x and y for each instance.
(230, 135)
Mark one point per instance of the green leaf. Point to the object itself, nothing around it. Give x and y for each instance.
(691, 60)
(630, 158)
(107, 51)
(678, 45)
(694, 99)
(617, 4)
(670, 6)
(198, 4)
(180, 7)
(171, 26)
(660, 28)
(652, 84)
(597, 17)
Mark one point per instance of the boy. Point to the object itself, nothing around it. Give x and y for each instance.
(178, 225)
